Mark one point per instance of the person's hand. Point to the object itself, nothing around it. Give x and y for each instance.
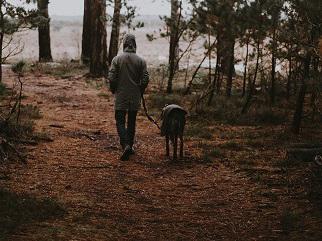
(113, 87)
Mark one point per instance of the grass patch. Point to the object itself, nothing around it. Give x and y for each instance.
(158, 101)
(231, 145)
(215, 153)
(30, 112)
(198, 131)
(103, 95)
(17, 210)
(62, 70)
(254, 143)
(209, 155)
(228, 110)
(25, 126)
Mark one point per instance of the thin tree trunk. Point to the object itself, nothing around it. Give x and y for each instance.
(289, 78)
(173, 42)
(86, 38)
(209, 60)
(315, 91)
(44, 33)
(273, 71)
(187, 70)
(1, 44)
(231, 68)
(252, 84)
(197, 69)
(215, 81)
(297, 118)
(114, 41)
(1, 38)
(245, 68)
(98, 61)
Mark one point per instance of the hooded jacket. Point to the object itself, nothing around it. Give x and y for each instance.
(128, 76)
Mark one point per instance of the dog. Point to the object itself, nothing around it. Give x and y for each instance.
(173, 123)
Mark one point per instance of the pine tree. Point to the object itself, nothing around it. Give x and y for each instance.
(116, 25)
(98, 56)
(44, 32)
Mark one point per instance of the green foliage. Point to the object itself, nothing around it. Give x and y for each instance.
(228, 110)
(25, 127)
(215, 153)
(17, 210)
(19, 67)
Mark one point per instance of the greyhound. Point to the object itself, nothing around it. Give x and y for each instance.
(173, 122)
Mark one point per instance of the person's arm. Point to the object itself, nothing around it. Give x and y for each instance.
(113, 76)
(145, 78)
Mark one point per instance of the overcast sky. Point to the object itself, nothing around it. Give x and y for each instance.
(75, 7)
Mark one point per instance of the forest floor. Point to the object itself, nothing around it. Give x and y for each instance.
(151, 197)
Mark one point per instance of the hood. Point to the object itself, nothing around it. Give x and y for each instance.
(129, 43)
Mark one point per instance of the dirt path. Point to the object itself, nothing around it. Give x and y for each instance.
(146, 198)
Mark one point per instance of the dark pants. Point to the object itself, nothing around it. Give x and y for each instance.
(126, 134)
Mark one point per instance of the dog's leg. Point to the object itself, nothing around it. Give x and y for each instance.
(181, 146)
(175, 147)
(167, 145)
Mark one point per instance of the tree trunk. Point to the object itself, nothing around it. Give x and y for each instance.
(289, 78)
(245, 68)
(231, 70)
(297, 118)
(86, 38)
(114, 41)
(209, 59)
(197, 69)
(98, 57)
(273, 71)
(252, 84)
(173, 50)
(44, 33)
(215, 81)
(1, 39)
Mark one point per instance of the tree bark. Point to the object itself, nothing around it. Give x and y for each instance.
(297, 118)
(114, 41)
(273, 71)
(289, 78)
(173, 50)
(252, 84)
(86, 38)
(245, 68)
(215, 81)
(1, 37)
(231, 70)
(98, 56)
(44, 33)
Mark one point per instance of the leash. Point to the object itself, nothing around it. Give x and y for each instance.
(147, 113)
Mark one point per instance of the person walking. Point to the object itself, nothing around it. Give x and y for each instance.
(128, 78)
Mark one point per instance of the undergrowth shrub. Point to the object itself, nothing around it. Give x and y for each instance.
(228, 110)
(17, 210)
(64, 69)
(197, 130)
(158, 101)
